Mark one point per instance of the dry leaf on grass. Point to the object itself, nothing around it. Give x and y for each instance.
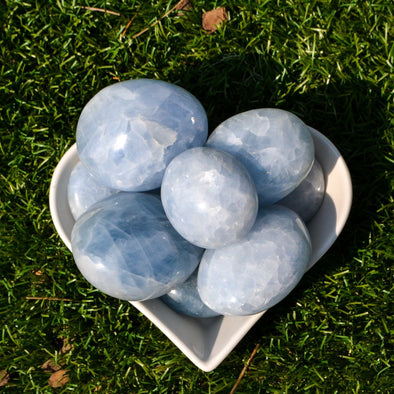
(66, 346)
(50, 366)
(58, 378)
(211, 20)
(183, 5)
(4, 377)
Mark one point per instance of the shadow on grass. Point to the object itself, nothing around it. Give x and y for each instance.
(352, 114)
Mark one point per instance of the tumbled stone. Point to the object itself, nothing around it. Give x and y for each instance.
(209, 197)
(185, 299)
(274, 145)
(307, 198)
(126, 247)
(257, 272)
(83, 191)
(129, 131)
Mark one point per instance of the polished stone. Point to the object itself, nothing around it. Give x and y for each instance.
(129, 131)
(209, 197)
(185, 299)
(307, 198)
(83, 191)
(257, 272)
(275, 146)
(126, 247)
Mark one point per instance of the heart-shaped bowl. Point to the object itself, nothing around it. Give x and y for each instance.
(207, 342)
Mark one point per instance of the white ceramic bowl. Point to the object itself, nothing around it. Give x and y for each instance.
(207, 342)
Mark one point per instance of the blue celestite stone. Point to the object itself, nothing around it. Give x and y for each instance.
(257, 272)
(128, 132)
(83, 191)
(126, 247)
(209, 197)
(308, 196)
(274, 145)
(185, 299)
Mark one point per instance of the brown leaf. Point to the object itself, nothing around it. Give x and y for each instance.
(211, 20)
(66, 347)
(183, 5)
(4, 377)
(50, 366)
(58, 378)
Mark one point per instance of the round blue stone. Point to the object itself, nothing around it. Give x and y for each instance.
(274, 145)
(83, 191)
(257, 272)
(126, 247)
(209, 197)
(129, 131)
(307, 198)
(185, 299)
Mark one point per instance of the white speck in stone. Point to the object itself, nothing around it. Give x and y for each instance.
(120, 141)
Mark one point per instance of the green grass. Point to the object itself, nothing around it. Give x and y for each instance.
(329, 61)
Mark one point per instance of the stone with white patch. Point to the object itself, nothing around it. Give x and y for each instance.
(129, 132)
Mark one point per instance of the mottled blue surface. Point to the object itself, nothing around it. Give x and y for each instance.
(129, 131)
(306, 199)
(83, 191)
(257, 272)
(209, 197)
(126, 247)
(185, 299)
(274, 145)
